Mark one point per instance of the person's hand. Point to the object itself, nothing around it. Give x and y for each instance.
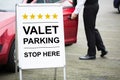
(73, 16)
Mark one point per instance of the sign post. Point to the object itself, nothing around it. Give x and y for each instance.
(40, 36)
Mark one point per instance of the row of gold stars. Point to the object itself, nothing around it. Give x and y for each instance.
(39, 16)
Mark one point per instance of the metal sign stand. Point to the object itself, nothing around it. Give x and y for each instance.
(64, 73)
(20, 74)
(64, 70)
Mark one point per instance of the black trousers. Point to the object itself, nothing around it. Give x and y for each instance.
(92, 34)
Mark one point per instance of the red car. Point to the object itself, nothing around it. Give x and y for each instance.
(7, 30)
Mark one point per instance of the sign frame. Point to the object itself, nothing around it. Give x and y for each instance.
(18, 44)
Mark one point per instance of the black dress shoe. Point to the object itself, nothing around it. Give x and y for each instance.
(103, 53)
(87, 57)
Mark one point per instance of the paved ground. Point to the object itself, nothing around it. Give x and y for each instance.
(108, 68)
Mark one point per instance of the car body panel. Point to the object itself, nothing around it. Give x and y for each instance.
(71, 26)
(7, 34)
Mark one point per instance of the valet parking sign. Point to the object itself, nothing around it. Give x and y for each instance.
(40, 36)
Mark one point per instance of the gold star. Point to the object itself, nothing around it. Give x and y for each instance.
(40, 16)
(55, 16)
(32, 16)
(47, 16)
(25, 16)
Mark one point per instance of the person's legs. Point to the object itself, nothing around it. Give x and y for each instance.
(89, 17)
(99, 42)
(89, 23)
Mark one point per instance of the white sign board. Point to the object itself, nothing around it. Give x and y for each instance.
(40, 36)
